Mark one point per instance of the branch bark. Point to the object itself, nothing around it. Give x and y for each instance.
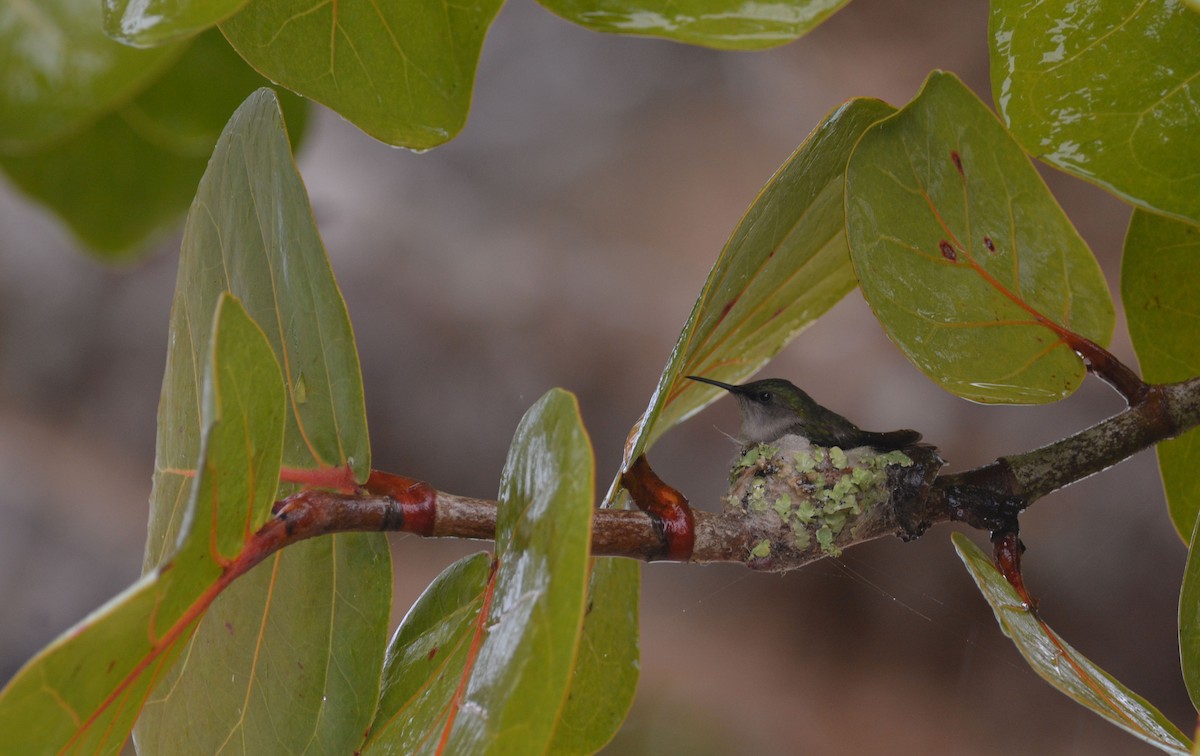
(989, 497)
(1164, 411)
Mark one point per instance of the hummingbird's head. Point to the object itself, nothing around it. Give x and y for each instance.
(770, 408)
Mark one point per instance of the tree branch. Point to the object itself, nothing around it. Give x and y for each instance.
(1163, 412)
(989, 497)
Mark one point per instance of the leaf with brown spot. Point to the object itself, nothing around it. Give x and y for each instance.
(965, 257)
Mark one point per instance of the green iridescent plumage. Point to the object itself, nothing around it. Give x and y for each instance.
(773, 408)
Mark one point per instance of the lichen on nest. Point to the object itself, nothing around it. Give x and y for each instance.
(810, 500)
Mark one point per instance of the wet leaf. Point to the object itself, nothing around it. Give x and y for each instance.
(606, 668)
(1107, 91)
(1062, 666)
(1160, 286)
(520, 677)
(400, 70)
(784, 266)
(965, 257)
(82, 693)
(483, 663)
(311, 626)
(58, 72)
(426, 661)
(726, 24)
(144, 23)
(134, 171)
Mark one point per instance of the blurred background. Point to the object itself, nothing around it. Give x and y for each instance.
(560, 241)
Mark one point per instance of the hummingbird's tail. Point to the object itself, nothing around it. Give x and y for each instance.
(891, 440)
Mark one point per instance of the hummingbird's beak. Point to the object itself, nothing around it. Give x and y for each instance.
(727, 386)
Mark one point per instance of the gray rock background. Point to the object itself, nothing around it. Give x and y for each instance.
(560, 241)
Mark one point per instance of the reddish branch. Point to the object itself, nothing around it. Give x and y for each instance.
(615, 532)
(673, 520)
(1108, 368)
(988, 497)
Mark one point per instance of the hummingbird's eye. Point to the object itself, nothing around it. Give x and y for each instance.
(764, 396)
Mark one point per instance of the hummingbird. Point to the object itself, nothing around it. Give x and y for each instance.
(773, 408)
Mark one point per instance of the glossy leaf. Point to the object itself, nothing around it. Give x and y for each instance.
(82, 693)
(484, 664)
(312, 626)
(400, 70)
(520, 677)
(965, 257)
(784, 266)
(135, 171)
(58, 72)
(726, 24)
(1062, 666)
(606, 668)
(1108, 91)
(426, 661)
(144, 23)
(1160, 285)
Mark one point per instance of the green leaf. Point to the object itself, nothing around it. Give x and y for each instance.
(243, 402)
(251, 232)
(1189, 621)
(58, 72)
(965, 257)
(520, 677)
(426, 660)
(300, 641)
(725, 24)
(431, 649)
(134, 171)
(606, 668)
(1062, 666)
(1109, 92)
(784, 266)
(1160, 288)
(484, 663)
(1160, 285)
(287, 659)
(82, 692)
(145, 23)
(400, 70)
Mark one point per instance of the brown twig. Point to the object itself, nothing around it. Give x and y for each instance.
(986, 497)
